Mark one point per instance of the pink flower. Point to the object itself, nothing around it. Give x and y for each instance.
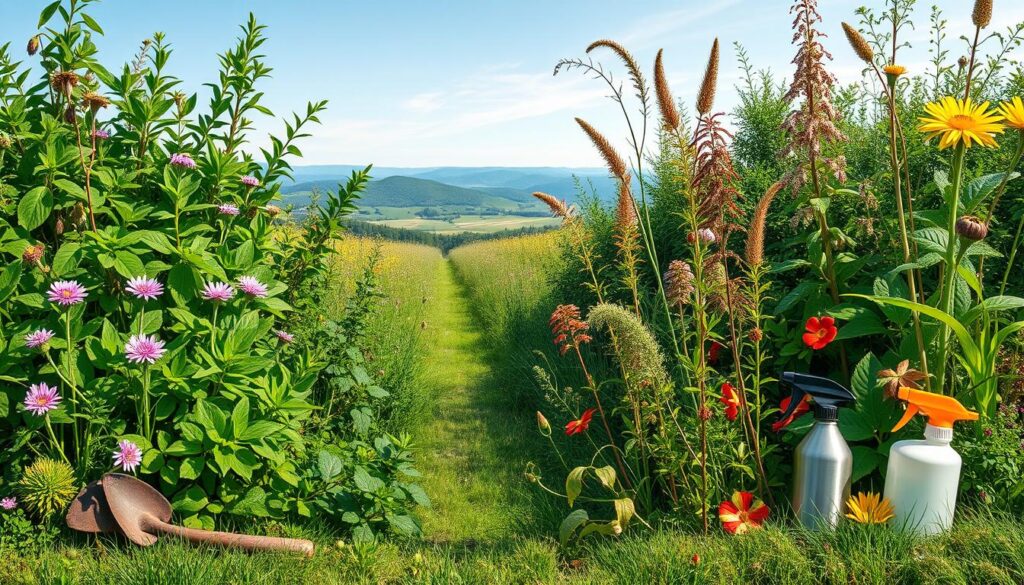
(284, 336)
(67, 292)
(41, 399)
(144, 349)
(183, 160)
(38, 338)
(218, 292)
(145, 288)
(252, 287)
(250, 181)
(128, 456)
(228, 209)
(9, 503)
(100, 134)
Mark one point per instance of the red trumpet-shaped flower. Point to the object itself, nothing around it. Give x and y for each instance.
(568, 329)
(742, 513)
(799, 411)
(731, 400)
(819, 332)
(580, 425)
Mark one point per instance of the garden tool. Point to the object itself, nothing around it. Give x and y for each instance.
(923, 476)
(140, 512)
(823, 463)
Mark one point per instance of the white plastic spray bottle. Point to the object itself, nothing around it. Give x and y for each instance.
(923, 476)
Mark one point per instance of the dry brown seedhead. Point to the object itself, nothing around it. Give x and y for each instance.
(625, 210)
(94, 101)
(859, 44)
(755, 235)
(669, 114)
(558, 207)
(982, 14)
(63, 82)
(631, 65)
(706, 97)
(615, 163)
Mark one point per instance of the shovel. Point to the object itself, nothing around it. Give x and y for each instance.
(122, 503)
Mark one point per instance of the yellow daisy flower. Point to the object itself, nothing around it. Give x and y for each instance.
(869, 508)
(956, 121)
(894, 70)
(1013, 111)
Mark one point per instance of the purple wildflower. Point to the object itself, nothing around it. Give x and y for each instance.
(250, 181)
(143, 349)
(41, 399)
(252, 287)
(38, 338)
(100, 134)
(218, 291)
(228, 209)
(183, 160)
(988, 432)
(9, 503)
(67, 292)
(128, 456)
(706, 235)
(145, 288)
(284, 336)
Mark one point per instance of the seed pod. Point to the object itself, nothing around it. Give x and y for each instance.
(543, 425)
(971, 228)
(78, 215)
(982, 14)
(5, 141)
(962, 62)
(33, 254)
(69, 115)
(756, 334)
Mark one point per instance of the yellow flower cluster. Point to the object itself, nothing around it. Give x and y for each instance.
(954, 121)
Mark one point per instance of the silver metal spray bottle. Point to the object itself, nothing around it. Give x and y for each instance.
(823, 462)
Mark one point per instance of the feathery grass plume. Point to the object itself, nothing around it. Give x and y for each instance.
(813, 124)
(706, 96)
(47, 487)
(625, 209)
(639, 83)
(640, 353)
(669, 114)
(981, 16)
(755, 233)
(679, 283)
(714, 179)
(859, 43)
(558, 207)
(615, 162)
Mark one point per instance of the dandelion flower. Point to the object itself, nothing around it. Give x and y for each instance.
(38, 338)
(67, 292)
(251, 286)
(1013, 111)
(819, 332)
(580, 425)
(144, 349)
(145, 288)
(250, 181)
(9, 503)
(228, 209)
(743, 513)
(954, 121)
(869, 508)
(127, 456)
(894, 70)
(284, 336)
(183, 160)
(41, 399)
(218, 292)
(731, 400)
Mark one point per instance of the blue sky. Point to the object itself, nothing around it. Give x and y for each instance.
(468, 82)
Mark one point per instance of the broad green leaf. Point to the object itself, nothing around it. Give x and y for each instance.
(865, 461)
(570, 524)
(240, 417)
(192, 499)
(606, 475)
(34, 208)
(191, 467)
(574, 484)
(624, 511)
(329, 465)
(366, 482)
(966, 342)
(403, 524)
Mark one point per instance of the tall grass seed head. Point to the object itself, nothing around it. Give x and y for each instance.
(666, 103)
(47, 487)
(638, 349)
(706, 95)
(981, 16)
(859, 43)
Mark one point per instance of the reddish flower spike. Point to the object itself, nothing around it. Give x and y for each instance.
(819, 332)
(568, 329)
(580, 425)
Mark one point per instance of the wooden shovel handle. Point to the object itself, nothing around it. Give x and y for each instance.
(230, 539)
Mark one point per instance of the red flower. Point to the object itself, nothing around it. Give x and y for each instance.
(568, 330)
(713, 352)
(575, 427)
(800, 410)
(743, 513)
(731, 400)
(820, 332)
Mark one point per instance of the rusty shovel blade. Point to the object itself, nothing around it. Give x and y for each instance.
(89, 511)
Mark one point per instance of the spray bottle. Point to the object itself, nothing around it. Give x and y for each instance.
(923, 476)
(823, 461)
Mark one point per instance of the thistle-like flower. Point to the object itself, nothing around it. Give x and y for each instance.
(228, 209)
(33, 254)
(41, 399)
(38, 339)
(66, 293)
(183, 160)
(144, 349)
(100, 134)
(144, 288)
(127, 456)
(218, 292)
(250, 181)
(678, 283)
(9, 503)
(251, 286)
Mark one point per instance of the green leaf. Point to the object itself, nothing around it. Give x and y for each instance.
(403, 524)
(574, 484)
(418, 494)
(366, 482)
(252, 504)
(606, 475)
(89, 22)
(34, 208)
(329, 465)
(864, 322)
(48, 12)
(864, 379)
(191, 500)
(624, 511)
(570, 524)
(966, 342)
(191, 467)
(361, 419)
(71, 188)
(260, 429)
(240, 417)
(128, 265)
(865, 461)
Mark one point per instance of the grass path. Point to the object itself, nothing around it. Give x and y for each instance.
(471, 444)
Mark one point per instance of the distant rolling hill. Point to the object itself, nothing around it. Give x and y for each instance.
(398, 191)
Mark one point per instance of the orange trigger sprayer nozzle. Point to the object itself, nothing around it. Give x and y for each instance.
(942, 411)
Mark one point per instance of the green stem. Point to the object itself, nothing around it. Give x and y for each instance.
(213, 330)
(71, 378)
(56, 444)
(1013, 255)
(946, 295)
(147, 423)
